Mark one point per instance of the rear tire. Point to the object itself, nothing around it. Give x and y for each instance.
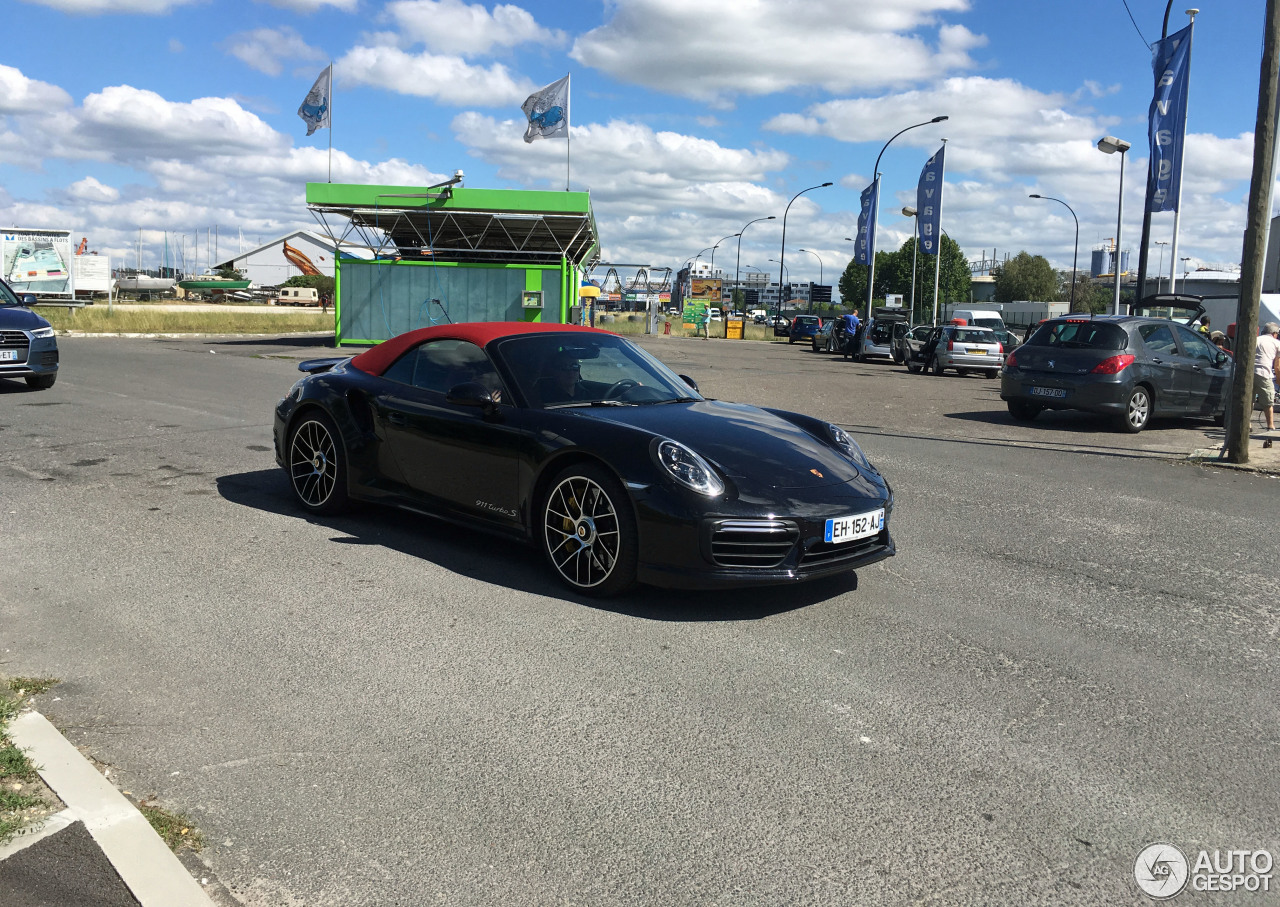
(589, 531)
(936, 366)
(991, 373)
(1023, 411)
(1137, 411)
(41, 382)
(913, 367)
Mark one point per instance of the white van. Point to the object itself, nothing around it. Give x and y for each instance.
(713, 314)
(297, 296)
(981, 318)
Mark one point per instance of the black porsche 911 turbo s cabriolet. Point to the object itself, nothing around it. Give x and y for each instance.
(579, 441)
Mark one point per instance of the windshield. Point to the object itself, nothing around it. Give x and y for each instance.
(994, 323)
(969, 335)
(6, 295)
(1080, 335)
(572, 369)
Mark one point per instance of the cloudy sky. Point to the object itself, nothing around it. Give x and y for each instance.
(689, 119)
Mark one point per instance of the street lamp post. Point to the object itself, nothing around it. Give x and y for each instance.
(787, 271)
(1186, 269)
(783, 256)
(908, 211)
(871, 227)
(1110, 145)
(713, 267)
(819, 257)
(1160, 270)
(1076, 248)
(737, 269)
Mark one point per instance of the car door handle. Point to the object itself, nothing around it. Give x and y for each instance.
(1158, 361)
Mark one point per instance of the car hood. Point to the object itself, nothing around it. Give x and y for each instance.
(17, 318)
(748, 444)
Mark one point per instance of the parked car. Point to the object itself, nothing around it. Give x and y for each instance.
(875, 336)
(781, 326)
(1129, 367)
(28, 346)
(803, 327)
(578, 441)
(713, 314)
(825, 340)
(951, 346)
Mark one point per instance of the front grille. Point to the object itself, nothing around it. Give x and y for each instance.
(752, 543)
(826, 553)
(10, 339)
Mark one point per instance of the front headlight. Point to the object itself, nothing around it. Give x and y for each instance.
(42, 332)
(848, 446)
(689, 469)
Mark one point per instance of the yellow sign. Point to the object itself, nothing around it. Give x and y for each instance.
(733, 329)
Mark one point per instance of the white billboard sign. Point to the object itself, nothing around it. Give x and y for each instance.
(37, 261)
(92, 273)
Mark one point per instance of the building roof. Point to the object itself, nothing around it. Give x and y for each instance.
(460, 225)
(312, 235)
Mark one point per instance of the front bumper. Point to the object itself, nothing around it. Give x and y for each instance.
(33, 355)
(688, 547)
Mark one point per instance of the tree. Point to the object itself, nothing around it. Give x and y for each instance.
(1027, 277)
(1092, 297)
(893, 275)
(320, 282)
(853, 282)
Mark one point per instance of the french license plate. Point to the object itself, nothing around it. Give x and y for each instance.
(977, 352)
(851, 528)
(1048, 392)
(8, 355)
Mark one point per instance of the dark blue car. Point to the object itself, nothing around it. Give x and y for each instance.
(28, 347)
(803, 327)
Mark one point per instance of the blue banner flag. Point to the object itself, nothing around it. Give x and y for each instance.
(1167, 129)
(315, 106)
(867, 224)
(929, 203)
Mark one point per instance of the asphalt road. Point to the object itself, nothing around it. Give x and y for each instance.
(1073, 655)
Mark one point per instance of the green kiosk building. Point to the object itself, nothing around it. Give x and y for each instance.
(411, 257)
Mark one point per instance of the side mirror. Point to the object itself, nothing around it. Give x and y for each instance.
(1222, 360)
(471, 394)
(689, 381)
(28, 299)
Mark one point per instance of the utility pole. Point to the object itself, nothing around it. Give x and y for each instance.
(1253, 255)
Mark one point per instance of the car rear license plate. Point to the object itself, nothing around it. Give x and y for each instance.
(977, 352)
(1048, 392)
(8, 355)
(851, 528)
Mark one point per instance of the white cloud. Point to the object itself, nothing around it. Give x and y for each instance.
(267, 49)
(175, 46)
(446, 79)
(19, 94)
(100, 7)
(311, 6)
(90, 190)
(685, 48)
(454, 27)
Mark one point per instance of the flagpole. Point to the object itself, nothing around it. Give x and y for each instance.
(937, 262)
(1177, 211)
(568, 107)
(330, 100)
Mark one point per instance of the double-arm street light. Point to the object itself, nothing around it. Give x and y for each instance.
(1110, 145)
(819, 257)
(1076, 250)
(871, 227)
(737, 266)
(908, 211)
(787, 272)
(783, 256)
(1159, 273)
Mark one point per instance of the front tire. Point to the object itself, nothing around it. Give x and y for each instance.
(589, 531)
(41, 382)
(936, 366)
(317, 464)
(1137, 411)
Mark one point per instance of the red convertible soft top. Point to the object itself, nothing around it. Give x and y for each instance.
(481, 333)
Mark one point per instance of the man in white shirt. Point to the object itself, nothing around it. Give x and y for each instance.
(1266, 367)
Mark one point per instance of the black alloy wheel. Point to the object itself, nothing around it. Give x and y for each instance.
(1023, 411)
(1137, 411)
(317, 464)
(589, 531)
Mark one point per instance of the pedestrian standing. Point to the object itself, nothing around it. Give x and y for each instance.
(704, 319)
(1266, 368)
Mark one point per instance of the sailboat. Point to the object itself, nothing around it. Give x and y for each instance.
(139, 280)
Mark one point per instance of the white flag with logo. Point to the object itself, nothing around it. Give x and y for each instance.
(315, 106)
(548, 112)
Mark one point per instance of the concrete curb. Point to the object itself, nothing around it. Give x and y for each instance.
(155, 876)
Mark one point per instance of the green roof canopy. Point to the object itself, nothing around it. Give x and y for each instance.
(461, 225)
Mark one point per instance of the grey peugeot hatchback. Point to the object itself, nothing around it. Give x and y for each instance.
(1129, 367)
(28, 347)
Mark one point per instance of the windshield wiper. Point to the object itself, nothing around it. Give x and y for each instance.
(672, 400)
(576, 404)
